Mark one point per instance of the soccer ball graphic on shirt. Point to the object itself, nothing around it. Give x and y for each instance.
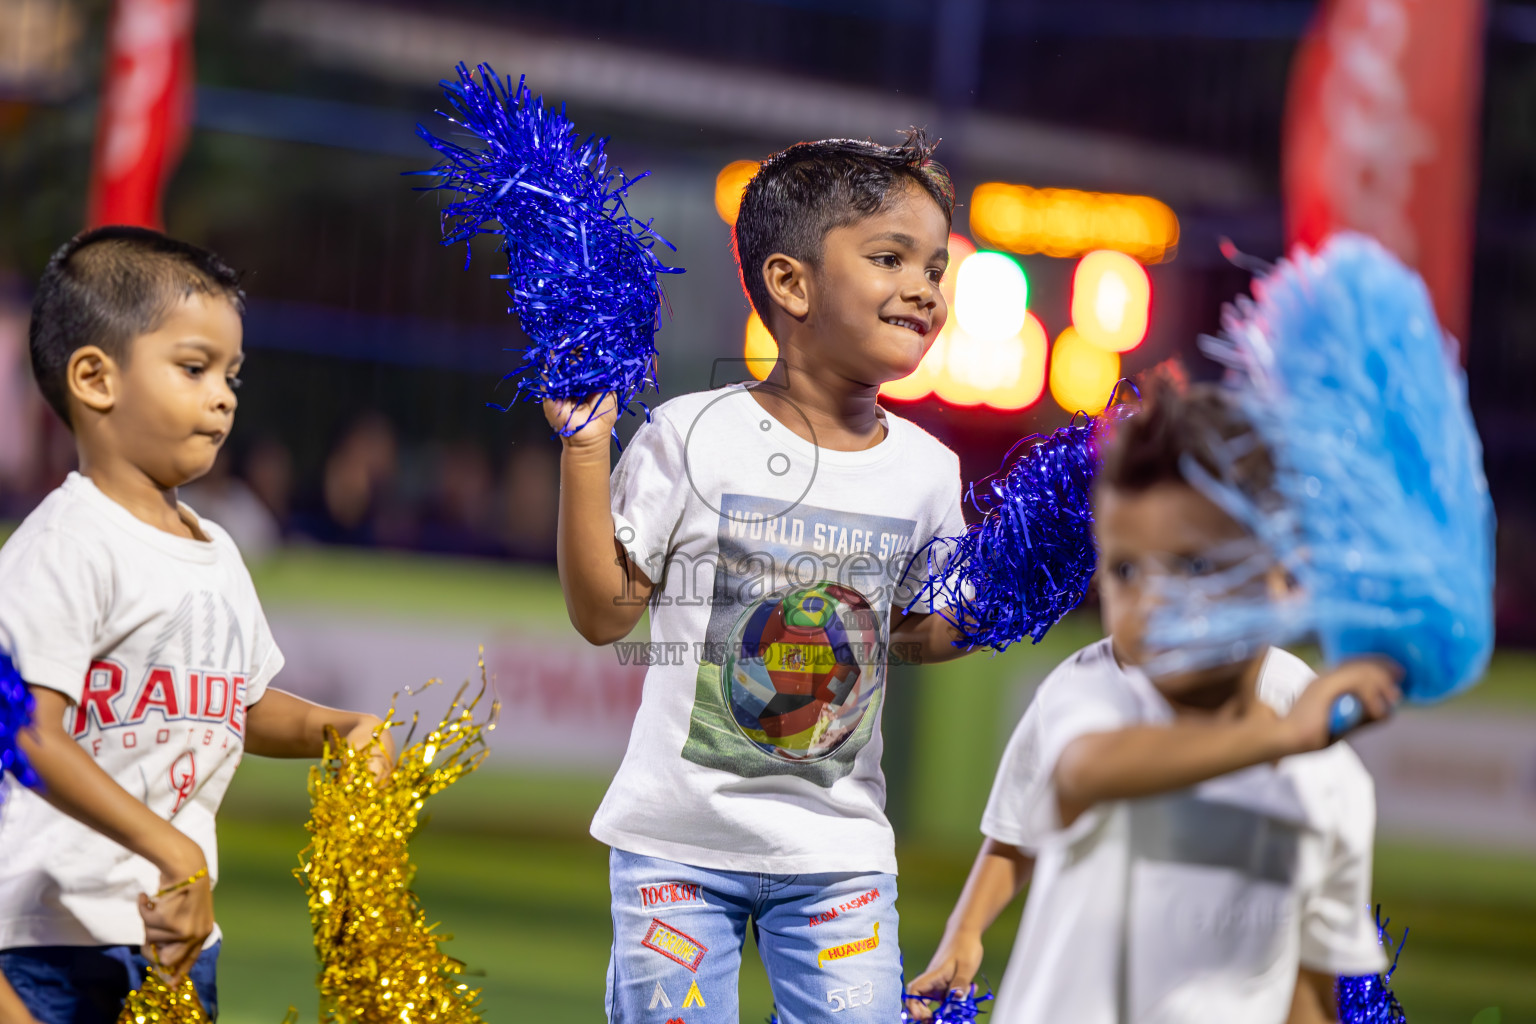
(800, 669)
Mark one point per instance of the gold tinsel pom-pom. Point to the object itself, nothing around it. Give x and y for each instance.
(379, 959)
(155, 1002)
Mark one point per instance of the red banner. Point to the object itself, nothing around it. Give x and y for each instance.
(1381, 135)
(146, 105)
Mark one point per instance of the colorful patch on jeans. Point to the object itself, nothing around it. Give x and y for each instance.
(674, 945)
(661, 894)
(848, 949)
(862, 900)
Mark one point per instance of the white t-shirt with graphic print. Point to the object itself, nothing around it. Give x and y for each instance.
(777, 563)
(1192, 907)
(160, 643)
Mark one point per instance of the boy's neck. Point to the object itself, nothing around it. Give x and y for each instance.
(1232, 692)
(832, 414)
(144, 499)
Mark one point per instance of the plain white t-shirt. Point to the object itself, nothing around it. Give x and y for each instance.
(1193, 907)
(160, 643)
(760, 541)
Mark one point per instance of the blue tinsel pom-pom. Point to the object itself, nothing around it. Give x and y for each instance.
(1383, 519)
(15, 715)
(1030, 559)
(956, 1008)
(582, 274)
(1368, 998)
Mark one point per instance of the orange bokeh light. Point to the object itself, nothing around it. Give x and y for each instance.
(1111, 300)
(729, 184)
(759, 349)
(1066, 222)
(1083, 376)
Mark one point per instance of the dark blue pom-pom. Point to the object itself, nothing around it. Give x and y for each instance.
(1030, 559)
(1368, 998)
(956, 1008)
(15, 715)
(582, 274)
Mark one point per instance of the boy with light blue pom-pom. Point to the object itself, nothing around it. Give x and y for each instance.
(769, 531)
(1199, 848)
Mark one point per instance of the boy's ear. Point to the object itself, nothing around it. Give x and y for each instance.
(91, 378)
(788, 283)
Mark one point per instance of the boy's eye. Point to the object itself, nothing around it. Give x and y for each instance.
(233, 382)
(885, 259)
(1125, 571)
(1196, 565)
(193, 369)
(936, 274)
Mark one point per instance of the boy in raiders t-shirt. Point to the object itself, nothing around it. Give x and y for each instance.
(1200, 852)
(138, 631)
(769, 529)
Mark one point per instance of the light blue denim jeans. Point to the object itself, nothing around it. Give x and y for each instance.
(829, 942)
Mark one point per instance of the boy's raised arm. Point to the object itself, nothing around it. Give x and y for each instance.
(605, 593)
(74, 783)
(1141, 760)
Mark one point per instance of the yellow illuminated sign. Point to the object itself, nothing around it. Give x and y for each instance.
(1066, 222)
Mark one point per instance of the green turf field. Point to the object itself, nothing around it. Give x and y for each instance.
(506, 867)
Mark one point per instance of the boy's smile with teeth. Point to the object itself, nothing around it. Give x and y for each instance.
(910, 323)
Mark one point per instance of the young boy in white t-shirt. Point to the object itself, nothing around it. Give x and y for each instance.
(138, 632)
(769, 529)
(1200, 851)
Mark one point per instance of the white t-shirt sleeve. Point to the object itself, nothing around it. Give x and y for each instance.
(1338, 934)
(1084, 696)
(648, 491)
(51, 610)
(266, 660)
(1007, 818)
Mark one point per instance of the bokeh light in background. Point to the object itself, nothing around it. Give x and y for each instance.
(1111, 300)
(759, 349)
(1066, 222)
(729, 183)
(1083, 376)
(991, 296)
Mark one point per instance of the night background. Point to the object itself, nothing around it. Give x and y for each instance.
(395, 517)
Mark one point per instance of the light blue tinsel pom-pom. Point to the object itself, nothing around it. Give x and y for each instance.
(582, 274)
(15, 715)
(1384, 519)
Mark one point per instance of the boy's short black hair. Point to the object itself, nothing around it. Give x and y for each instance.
(108, 286)
(801, 193)
(1179, 421)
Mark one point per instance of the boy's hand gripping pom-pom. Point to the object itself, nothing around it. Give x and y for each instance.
(582, 275)
(1030, 559)
(1378, 516)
